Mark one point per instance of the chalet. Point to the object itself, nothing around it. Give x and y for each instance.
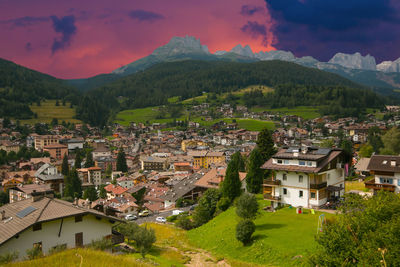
(386, 173)
(101, 151)
(49, 174)
(114, 191)
(24, 191)
(304, 177)
(45, 223)
(214, 177)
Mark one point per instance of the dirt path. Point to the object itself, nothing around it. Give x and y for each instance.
(202, 258)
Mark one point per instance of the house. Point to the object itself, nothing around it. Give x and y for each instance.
(41, 141)
(106, 162)
(114, 191)
(101, 151)
(75, 143)
(45, 223)
(48, 174)
(204, 159)
(214, 177)
(56, 151)
(153, 163)
(90, 176)
(361, 167)
(8, 146)
(24, 191)
(386, 173)
(126, 182)
(304, 177)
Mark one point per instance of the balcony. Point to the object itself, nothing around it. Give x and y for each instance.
(372, 185)
(271, 197)
(270, 182)
(318, 186)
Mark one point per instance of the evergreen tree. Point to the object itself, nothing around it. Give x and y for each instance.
(102, 192)
(347, 147)
(65, 166)
(255, 174)
(76, 184)
(121, 161)
(241, 163)
(90, 193)
(78, 160)
(68, 189)
(231, 186)
(89, 159)
(265, 144)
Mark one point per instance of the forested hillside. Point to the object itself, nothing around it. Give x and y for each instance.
(20, 86)
(294, 84)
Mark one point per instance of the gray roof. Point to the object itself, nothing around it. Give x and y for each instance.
(182, 187)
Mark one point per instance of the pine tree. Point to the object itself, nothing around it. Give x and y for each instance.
(78, 160)
(265, 144)
(90, 193)
(76, 183)
(121, 161)
(65, 166)
(255, 174)
(89, 160)
(68, 190)
(102, 192)
(231, 186)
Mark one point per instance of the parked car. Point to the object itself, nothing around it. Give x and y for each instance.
(177, 212)
(161, 219)
(144, 213)
(130, 217)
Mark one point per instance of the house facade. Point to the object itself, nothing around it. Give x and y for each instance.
(304, 177)
(386, 173)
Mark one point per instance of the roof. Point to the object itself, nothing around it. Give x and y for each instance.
(212, 178)
(181, 188)
(55, 146)
(362, 164)
(384, 163)
(29, 188)
(115, 189)
(43, 210)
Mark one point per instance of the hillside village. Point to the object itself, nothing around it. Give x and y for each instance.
(148, 172)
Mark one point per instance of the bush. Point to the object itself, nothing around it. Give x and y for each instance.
(247, 206)
(207, 206)
(184, 222)
(34, 253)
(57, 249)
(144, 239)
(8, 257)
(172, 218)
(223, 204)
(181, 202)
(101, 244)
(244, 230)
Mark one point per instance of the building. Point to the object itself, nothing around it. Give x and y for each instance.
(45, 223)
(48, 174)
(126, 182)
(56, 151)
(203, 159)
(214, 177)
(306, 177)
(90, 176)
(8, 146)
(386, 173)
(75, 143)
(41, 141)
(24, 191)
(114, 191)
(101, 151)
(153, 163)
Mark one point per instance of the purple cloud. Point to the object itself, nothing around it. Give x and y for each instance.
(144, 15)
(65, 26)
(249, 10)
(25, 21)
(255, 30)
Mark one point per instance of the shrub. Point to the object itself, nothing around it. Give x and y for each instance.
(247, 206)
(101, 244)
(8, 257)
(57, 249)
(172, 218)
(223, 204)
(144, 239)
(244, 230)
(34, 253)
(184, 222)
(207, 206)
(181, 202)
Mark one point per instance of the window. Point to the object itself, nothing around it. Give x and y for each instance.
(38, 245)
(37, 227)
(302, 163)
(386, 180)
(300, 178)
(286, 162)
(284, 177)
(301, 193)
(284, 191)
(309, 163)
(313, 195)
(398, 182)
(78, 218)
(279, 161)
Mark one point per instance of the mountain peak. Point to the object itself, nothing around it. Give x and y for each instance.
(181, 45)
(243, 51)
(354, 61)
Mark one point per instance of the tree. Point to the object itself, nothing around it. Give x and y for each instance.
(364, 229)
(391, 140)
(54, 122)
(366, 151)
(223, 204)
(328, 143)
(247, 206)
(139, 196)
(144, 238)
(231, 186)
(241, 163)
(65, 166)
(206, 207)
(109, 170)
(265, 144)
(73, 185)
(121, 161)
(347, 147)
(4, 198)
(89, 159)
(78, 160)
(244, 231)
(57, 103)
(90, 193)
(128, 230)
(255, 174)
(102, 192)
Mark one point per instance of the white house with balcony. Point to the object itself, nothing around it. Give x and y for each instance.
(386, 172)
(304, 177)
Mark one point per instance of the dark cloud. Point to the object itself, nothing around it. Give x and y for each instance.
(323, 27)
(28, 47)
(143, 15)
(66, 27)
(25, 21)
(249, 10)
(255, 30)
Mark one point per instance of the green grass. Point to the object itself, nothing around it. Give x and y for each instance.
(355, 185)
(142, 115)
(48, 110)
(279, 237)
(302, 111)
(248, 124)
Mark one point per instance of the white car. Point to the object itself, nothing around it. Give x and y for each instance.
(177, 212)
(130, 217)
(161, 219)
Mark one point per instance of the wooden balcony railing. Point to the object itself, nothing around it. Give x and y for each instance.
(271, 197)
(270, 182)
(372, 185)
(318, 186)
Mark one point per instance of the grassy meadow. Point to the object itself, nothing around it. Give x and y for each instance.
(303, 112)
(48, 110)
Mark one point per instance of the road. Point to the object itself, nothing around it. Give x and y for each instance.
(152, 218)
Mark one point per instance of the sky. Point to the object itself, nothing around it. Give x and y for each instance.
(79, 39)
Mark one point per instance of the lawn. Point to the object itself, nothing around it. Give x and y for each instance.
(141, 115)
(248, 124)
(48, 110)
(355, 185)
(301, 111)
(279, 240)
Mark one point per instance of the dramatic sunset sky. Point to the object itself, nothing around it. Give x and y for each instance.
(76, 39)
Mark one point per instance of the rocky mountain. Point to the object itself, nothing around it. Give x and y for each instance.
(355, 61)
(389, 66)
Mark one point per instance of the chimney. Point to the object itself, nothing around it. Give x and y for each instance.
(36, 196)
(3, 215)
